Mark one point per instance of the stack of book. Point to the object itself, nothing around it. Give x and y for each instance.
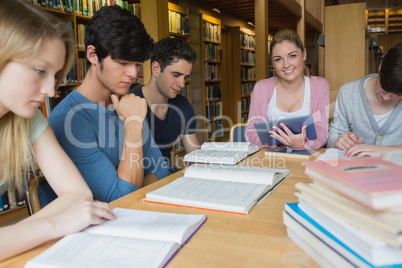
(350, 215)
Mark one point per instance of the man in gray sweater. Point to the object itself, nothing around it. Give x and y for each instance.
(368, 112)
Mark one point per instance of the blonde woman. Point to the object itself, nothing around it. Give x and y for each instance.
(289, 94)
(36, 52)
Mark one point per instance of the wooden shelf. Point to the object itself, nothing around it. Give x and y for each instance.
(384, 20)
(13, 213)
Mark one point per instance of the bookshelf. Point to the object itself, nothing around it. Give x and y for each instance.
(384, 20)
(247, 73)
(179, 28)
(211, 83)
(243, 55)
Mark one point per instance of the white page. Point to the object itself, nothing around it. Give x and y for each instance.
(89, 250)
(395, 157)
(213, 194)
(226, 146)
(332, 153)
(234, 173)
(224, 157)
(149, 225)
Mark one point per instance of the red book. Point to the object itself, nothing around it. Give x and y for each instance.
(373, 182)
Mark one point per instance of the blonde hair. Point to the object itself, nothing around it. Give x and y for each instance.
(286, 35)
(24, 29)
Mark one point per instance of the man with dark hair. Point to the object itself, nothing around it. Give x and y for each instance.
(112, 147)
(170, 114)
(368, 112)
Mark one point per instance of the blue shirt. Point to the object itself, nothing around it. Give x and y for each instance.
(179, 120)
(93, 137)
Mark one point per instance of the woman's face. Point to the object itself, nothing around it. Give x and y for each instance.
(287, 59)
(25, 84)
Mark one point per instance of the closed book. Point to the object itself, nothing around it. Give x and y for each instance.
(326, 242)
(374, 250)
(383, 224)
(373, 182)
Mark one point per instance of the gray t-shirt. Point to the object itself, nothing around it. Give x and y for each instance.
(39, 124)
(352, 112)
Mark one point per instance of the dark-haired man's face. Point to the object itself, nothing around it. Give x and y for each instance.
(384, 96)
(173, 78)
(117, 75)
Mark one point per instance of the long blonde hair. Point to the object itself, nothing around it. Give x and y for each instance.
(24, 29)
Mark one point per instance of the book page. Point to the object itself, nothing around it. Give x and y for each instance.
(212, 194)
(223, 157)
(150, 225)
(332, 153)
(235, 173)
(226, 146)
(89, 250)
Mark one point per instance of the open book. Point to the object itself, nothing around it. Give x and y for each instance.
(224, 153)
(135, 239)
(235, 189)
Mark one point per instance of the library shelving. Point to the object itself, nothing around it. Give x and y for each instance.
(179, 28)
(247, 74)
(244, 58)
(211, 82)
(179, 21)
(384, 20)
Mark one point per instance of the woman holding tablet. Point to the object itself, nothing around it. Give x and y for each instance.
(290, 94)
(36, 52)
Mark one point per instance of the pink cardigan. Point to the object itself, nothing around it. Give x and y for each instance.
(319, 102)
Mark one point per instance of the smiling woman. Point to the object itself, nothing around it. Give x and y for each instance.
(36, 53)
(290, 94)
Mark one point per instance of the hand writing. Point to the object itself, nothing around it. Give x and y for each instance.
(347, 140)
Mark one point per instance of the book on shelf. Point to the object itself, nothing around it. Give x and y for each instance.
(383, 224)
(373, 182)
(136, 238)
(236, 189)
(225, 153)
(326, 244)
(287, 152)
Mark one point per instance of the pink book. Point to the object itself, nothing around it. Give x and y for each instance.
(373, 182)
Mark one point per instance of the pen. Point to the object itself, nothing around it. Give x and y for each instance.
(351, 127)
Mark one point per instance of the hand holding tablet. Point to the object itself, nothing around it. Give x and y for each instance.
(294, 124)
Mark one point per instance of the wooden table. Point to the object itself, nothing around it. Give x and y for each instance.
(227, 240)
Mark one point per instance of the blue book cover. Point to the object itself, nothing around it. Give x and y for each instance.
(293, 208)
(1, 204)
(5, 201)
